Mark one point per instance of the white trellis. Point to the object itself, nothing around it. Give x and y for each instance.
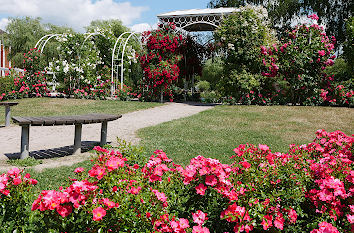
(41, 43)
(118, 61)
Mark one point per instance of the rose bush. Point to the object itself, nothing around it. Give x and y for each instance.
(308, 189)
(31, 83)
(160, 61)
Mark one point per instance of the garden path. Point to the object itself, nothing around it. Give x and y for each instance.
(52, 142)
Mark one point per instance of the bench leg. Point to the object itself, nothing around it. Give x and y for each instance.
(25, 142)
(7, 116)
(103, 133)
(77, 139)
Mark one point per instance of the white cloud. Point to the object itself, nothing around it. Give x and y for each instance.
(73, 13)
(3, 23)
(141, 27)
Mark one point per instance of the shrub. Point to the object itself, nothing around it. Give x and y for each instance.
(15, 201)
(299, 60)
(32, 83)
(160, 61)
(240, 35)
(308, 189)
(213, 70)
(203, 86)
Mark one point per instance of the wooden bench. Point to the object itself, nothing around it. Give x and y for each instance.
(8, 111)
(78, 121)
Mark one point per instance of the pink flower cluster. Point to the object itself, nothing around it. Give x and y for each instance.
(260, 190)
(12, 179)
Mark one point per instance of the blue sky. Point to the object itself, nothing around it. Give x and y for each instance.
(79, 13)
(162, 6)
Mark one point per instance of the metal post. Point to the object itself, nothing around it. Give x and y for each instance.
(25, 142)
(77, 139)
(7, 115)
(103, 133)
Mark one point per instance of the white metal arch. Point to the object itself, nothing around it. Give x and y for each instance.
(39, 42)
(120, 39)
(123, 40)
(46, 41)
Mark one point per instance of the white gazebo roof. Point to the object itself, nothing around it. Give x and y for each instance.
(207, 11)
(197, 19)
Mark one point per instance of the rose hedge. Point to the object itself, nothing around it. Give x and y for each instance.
(308, 189)
(32, 83)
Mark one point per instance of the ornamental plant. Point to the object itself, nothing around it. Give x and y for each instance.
(240, 36)
(308, 189)
(296, 65)
(160, 61)
(31, 83)
(16, 189)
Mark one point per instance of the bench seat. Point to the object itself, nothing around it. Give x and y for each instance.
(77, 120)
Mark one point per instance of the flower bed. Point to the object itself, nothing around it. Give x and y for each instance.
(308, 189)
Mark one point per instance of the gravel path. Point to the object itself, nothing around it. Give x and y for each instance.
(52, 143)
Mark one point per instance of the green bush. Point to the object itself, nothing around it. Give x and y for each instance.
(203, 86)
(6, 84)
(241, 35)
(210, 97)
(213, 70)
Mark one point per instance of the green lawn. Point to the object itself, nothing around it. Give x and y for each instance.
(61, 106)
(53, 178)
(215, 133)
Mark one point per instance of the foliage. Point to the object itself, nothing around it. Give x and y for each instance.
(209, 97)
(23, 33)
(341, 70)
(241, 35)
(160, 61)
(299, 61)
(333, 13)
(15, 201)
(213, 70)
(203, 86)
(307, 188)
(348, 48)
(32, 83)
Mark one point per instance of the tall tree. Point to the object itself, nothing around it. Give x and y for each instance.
(23, 33)
(332, 13)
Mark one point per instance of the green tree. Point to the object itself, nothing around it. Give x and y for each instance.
(22, 35)
(333, 13)
(241, 35)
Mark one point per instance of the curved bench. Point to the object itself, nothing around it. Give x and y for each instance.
(78, 121)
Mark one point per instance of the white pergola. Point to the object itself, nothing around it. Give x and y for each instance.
(197, 20)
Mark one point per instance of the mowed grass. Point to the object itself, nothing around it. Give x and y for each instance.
(53, 178)
(215, 133)
(61, 106)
